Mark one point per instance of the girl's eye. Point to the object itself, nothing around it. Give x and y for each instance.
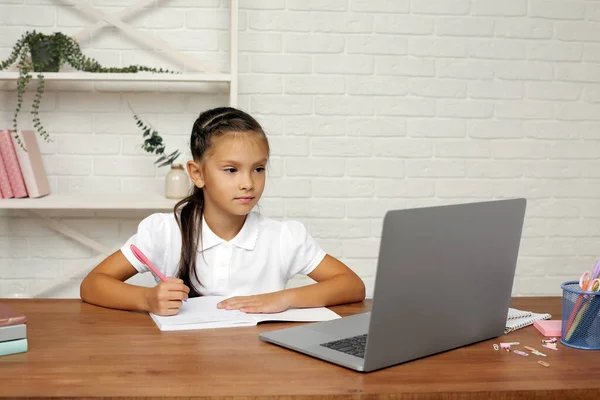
(230, 170)
(260, 169)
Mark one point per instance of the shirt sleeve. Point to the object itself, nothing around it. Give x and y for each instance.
(150, 238)
(301, 253)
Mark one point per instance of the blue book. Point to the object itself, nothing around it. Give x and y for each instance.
(13, 347)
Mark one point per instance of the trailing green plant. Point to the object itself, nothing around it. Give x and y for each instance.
(153, 143)
(40, 53)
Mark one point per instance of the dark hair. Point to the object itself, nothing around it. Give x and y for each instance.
(209, 125)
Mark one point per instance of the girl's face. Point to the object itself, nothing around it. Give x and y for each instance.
(232, 173)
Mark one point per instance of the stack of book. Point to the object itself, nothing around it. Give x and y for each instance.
(22, 172)
(13, 331)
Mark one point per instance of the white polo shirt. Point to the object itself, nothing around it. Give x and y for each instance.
(263, 256)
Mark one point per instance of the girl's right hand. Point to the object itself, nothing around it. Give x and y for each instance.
(166, 297)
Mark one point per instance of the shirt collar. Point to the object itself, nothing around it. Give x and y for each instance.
(245, 239)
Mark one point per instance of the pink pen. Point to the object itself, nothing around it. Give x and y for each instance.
(144, 260)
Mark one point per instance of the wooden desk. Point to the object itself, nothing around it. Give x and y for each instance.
(79, 350)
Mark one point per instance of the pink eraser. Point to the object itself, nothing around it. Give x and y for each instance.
(550, 327)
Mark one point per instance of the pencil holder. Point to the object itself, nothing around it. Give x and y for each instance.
(580, 317)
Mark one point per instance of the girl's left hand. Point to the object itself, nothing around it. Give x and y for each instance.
(261, 303)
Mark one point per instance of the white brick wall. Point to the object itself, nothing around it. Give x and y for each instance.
(370, 105)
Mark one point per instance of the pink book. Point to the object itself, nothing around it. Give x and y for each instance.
(32, 165)
(11, 164)
(5, 190)
(9, 316)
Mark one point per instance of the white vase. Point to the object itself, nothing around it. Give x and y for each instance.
(177, 183)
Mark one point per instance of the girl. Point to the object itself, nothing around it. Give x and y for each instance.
(212, 244)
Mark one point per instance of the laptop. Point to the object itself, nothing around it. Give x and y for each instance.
(444, 280)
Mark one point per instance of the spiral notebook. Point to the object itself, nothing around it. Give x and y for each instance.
(518, 319)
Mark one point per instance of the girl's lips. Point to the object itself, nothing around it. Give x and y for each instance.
(244, 200)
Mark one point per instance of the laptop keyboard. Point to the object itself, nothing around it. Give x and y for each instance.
(354, 345)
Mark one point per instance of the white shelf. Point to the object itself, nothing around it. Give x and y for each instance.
(123, 77)
(116, 201)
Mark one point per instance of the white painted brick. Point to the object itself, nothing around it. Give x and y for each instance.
(451, 188)
(124, 166)
(574, 189)
(336, 64)
(554, 208)
(377, 126)
(547, 169)
(68, 123)
(524, 110)
(72, 184)
(9, 102)
(547, 247)
(341, 147)
(315, 167)
(288, 187)
(578, 31)
(462, 149)
(343, 105)
(278, 21)
(409, 148)
(572, 227)
(160, 18)
(361, 248)
(553, 91)
(314, 84)
(587, 208)
(314, 126)
(437, 88)
(331, 228)
(412, 25)
(464, 27)
(414, 107)
(260, 42)
(491, 169)
(72, 101)
(578, 72)
(370, 168)
(493, 129)
(372, 208)
(534, 227)
(405, 66)
(289, 146)
(261, 4)
(314, 208)
(523, 28)
(342, 187)
(437, 47)
(495, 90)
(273, 208)
(520, 149)
(20, 15)
(281, 105)
(553, 130)
(501, 8)
(464, 69)
(577, 111)
(341, 22)
(375, 85)
(318, 5)
(386, 45)
(8, 36)
(575, 150)
(260, 84)
(85, 144)
(464, 108)
(440, 7)
(435, 168)
(207, 19)
(271, 124)
(68, 165)
(556, 9)
(400, 188)
(591, 93)
(501, 49)
(113, 123)
(528, 188)
(14, 247)
(444, 128)
(272, 63)
(314, 43)
(555, 51)
(524, 70)
(588, 130)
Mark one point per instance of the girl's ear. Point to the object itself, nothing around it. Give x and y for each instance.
(194, 170)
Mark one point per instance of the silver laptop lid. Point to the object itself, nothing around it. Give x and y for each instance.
(444, 278)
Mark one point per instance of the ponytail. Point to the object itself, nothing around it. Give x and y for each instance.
(190, 225)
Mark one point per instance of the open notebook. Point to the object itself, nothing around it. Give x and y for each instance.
(202, 313)
(518, 319)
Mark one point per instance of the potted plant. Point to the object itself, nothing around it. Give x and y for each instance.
(37, 52)
(177, 183)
